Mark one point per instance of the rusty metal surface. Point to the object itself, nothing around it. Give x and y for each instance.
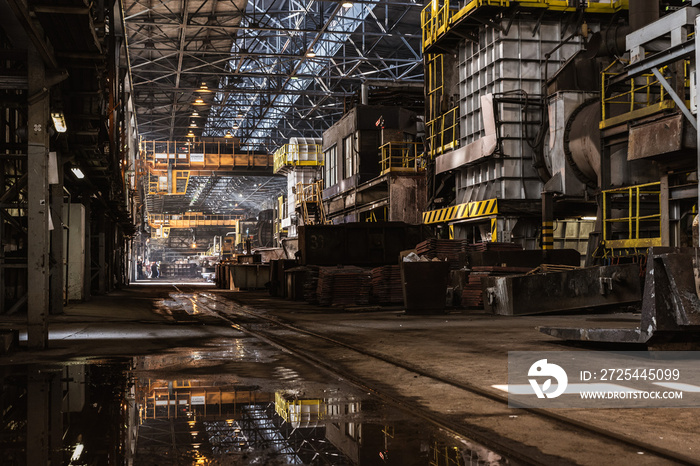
(670, 306)
(560, 291)
(656, 138)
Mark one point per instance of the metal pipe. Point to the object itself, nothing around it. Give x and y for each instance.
(364, 94)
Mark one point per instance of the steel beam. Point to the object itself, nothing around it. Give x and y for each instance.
(38, 203)
(680, 103)
(38, 439)
(57, 278)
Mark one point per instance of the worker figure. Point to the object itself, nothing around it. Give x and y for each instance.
(139, 270)
(154, 270)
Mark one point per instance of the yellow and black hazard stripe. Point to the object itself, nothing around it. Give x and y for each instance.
(547, 235)
(461, 211)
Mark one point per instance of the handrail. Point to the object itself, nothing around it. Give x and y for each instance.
(400, 156)
(444, 132)
(631, 198)
(643, 96)
(290, 155)
(437, 18)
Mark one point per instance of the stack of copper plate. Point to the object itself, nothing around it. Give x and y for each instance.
(450, 250)
(343, 286)
(472, 295)
(386, 284)
(493, 246)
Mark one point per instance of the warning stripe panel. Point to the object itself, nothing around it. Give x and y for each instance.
(461, 211)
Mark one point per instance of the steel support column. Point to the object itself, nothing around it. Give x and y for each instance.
(56, 418)
(58, 264)
(38, 203)
(547, 220)
(87, 276)
(101, 255)
(38, 439)
(665, 212)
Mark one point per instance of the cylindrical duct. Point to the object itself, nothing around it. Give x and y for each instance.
(582, 142)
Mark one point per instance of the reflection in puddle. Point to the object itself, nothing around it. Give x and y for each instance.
(267, 409)
(232, 402)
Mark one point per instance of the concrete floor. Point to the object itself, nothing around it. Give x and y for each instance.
(176, 334)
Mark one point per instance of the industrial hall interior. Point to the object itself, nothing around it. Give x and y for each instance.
(368, 232)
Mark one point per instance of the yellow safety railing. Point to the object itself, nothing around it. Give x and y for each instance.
(438, 17)
(640, 223)
(639, 97)
(434, 20)
(299, 411)
(302, 155)
(443, 132)
(309, 198)
(443, 455)
(435, 83)
(191, 220)
(400, 157)
(307, 192)
(158, 182)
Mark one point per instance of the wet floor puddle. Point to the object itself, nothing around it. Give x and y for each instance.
(229, 401)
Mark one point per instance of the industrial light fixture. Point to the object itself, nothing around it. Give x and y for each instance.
(78, 173)
(203, 88)
(194, 245)
(193, 124)
(195, 114)
(311, 53)
(198, 101)
(347, 4)
(190, 134)
(228, 135)
(240, 115)
(59, 121)
(589, 218)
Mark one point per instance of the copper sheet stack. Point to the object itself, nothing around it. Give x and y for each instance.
(343, 286)
(386, 284)
(493, 246)
(444, 249)
(471, 292)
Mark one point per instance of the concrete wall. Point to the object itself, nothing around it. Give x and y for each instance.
(74, 250)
